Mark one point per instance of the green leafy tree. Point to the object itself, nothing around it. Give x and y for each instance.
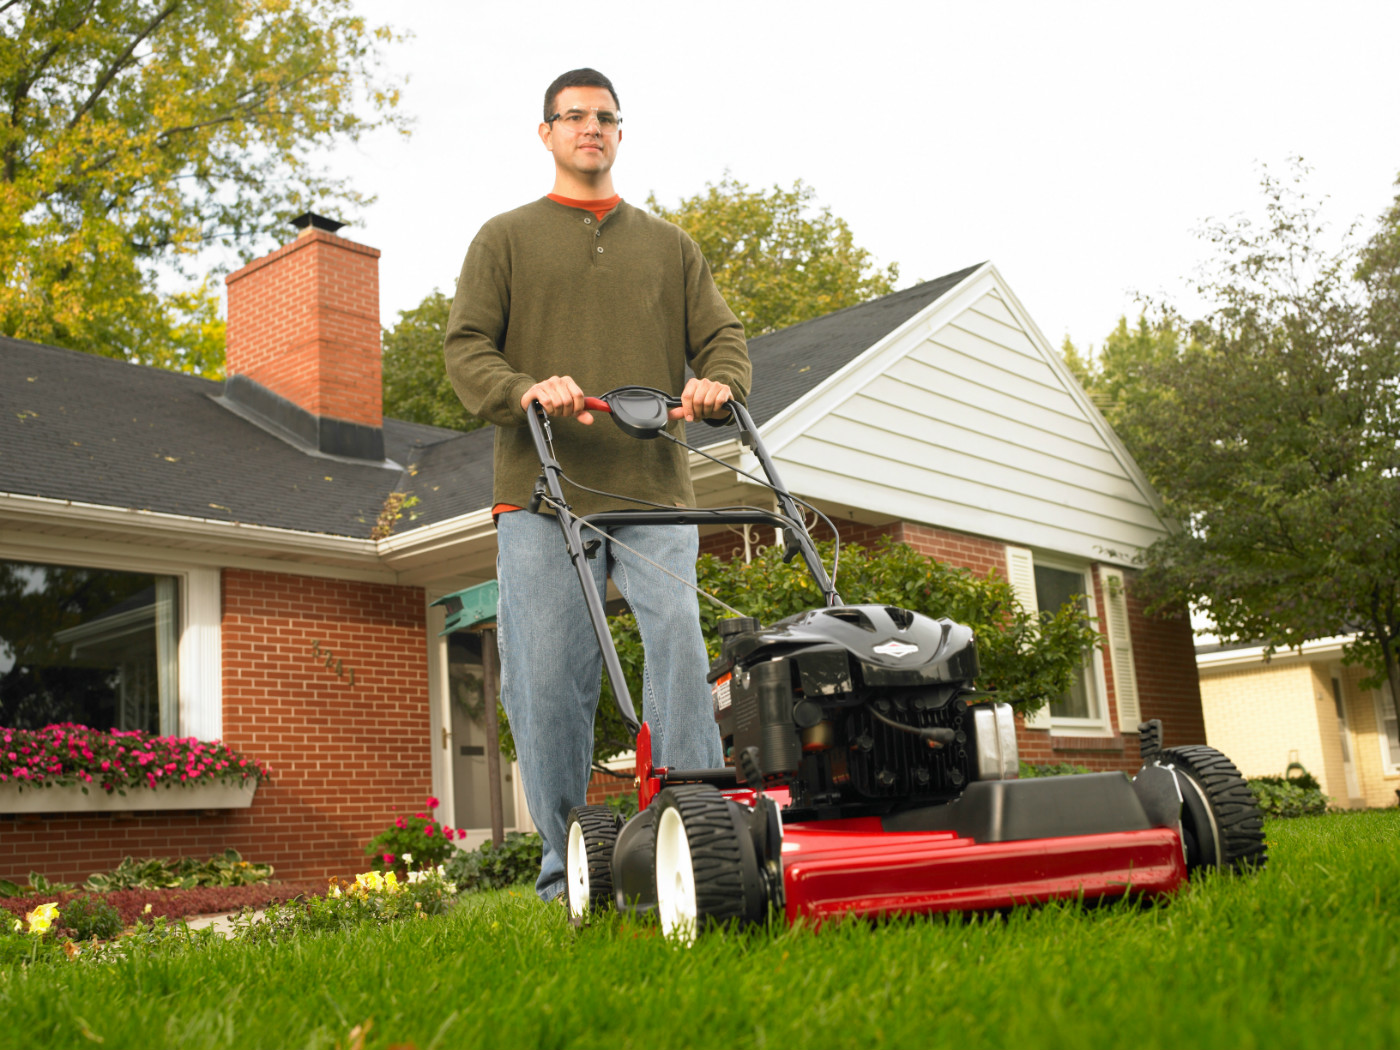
(777, 257)
(137, 132)
(416, 387)
(1027, 658)
(1114, 374)
(1273, 436)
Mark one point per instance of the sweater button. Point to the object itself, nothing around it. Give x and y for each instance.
(600, 249)
(588, 222)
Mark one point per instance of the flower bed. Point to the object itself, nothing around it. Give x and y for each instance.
(114, 760)
(174, 904)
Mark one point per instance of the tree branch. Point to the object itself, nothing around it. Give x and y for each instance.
(120, 63)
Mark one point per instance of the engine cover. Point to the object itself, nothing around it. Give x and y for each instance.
(854, 708)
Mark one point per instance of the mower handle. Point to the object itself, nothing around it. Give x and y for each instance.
(644, 412)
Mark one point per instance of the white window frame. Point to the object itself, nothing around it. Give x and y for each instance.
(1021, 564)
(199, 652)
(1390, 762)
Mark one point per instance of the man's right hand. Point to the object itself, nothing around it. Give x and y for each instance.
(560, 396)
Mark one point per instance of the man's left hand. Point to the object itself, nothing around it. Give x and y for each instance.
(702, 399)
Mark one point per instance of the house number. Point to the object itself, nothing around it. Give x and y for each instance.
(330, 660)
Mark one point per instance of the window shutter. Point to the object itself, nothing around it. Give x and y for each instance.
(1120, 649)
(1020, 572)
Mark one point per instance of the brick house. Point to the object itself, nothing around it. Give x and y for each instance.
(291, 541)
(1303, 705)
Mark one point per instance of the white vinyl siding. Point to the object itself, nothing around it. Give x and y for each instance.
(970, 421)
(1120, 650)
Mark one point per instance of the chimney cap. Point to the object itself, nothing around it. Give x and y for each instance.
(310, 220)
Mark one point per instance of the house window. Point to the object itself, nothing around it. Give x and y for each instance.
(1056, 588)
(1390, 729)
(1047, 585)
(93, 646)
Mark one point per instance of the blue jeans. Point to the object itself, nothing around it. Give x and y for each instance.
(551, 666)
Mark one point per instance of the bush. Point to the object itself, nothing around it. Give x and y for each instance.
(417, 841)
(91, 917)
(516, 860)
(226, 869)
(1282, 797)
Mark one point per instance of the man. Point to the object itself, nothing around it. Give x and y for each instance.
(574, 294)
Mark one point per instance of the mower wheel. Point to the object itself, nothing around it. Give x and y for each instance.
(706, 868)
(588, 864)
(1220, 820)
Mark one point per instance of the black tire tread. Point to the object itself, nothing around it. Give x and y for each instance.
(600, 827)
(715, 854)
(1236, 813)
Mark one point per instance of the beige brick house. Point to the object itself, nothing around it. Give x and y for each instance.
(1303, 706)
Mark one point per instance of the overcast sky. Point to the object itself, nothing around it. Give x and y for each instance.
(1078, 146)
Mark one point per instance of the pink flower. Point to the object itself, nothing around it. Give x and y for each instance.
(388, 858)
(432, 802)
(428, 831)
(399, 822)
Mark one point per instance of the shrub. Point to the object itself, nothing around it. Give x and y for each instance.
(1282, 797)
(226, 869)
(91, 917)
(516, 860)
(416, 841)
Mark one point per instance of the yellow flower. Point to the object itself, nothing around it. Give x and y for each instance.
(391, 883)
(146, 910)
(42, 917)
(370, 880)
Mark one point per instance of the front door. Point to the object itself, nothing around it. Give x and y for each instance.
(470, 776)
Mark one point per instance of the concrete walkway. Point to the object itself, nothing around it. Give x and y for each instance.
(222, 922)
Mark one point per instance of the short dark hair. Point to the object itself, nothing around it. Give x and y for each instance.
(576, 78)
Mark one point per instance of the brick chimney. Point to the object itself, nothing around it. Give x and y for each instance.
(303, 341)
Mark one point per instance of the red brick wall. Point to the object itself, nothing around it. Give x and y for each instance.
(343, 756)
(955, 548)
(304, 323)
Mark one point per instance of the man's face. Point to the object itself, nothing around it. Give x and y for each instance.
(589, 149)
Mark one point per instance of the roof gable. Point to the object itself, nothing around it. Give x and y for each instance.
(961, 415)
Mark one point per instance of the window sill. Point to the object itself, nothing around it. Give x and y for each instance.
(1064, 742)
(69, 798)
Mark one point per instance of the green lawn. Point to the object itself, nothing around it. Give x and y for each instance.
(1306, 954)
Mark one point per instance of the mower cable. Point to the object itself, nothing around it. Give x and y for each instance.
(633, 550)
(934, 736)
(836, 536)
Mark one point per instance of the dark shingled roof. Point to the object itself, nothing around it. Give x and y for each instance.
(79, 427)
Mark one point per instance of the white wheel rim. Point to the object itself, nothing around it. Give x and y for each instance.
(675, 878)
(577, 871)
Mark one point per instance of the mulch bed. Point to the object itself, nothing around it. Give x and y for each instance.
(176, 904)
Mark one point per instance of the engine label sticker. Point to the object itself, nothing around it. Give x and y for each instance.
(720, 691)
(896, 648)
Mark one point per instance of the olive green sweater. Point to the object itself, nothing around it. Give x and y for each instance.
(548, 290)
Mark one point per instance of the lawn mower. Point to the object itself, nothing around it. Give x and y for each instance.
(869, 775)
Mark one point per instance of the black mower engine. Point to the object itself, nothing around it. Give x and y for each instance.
(858, 710)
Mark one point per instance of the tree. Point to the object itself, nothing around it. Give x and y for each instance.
(1027, 658)
(777, 258)
(138, 132)
(1273, 437)
(416, 387)
(1115, 375)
